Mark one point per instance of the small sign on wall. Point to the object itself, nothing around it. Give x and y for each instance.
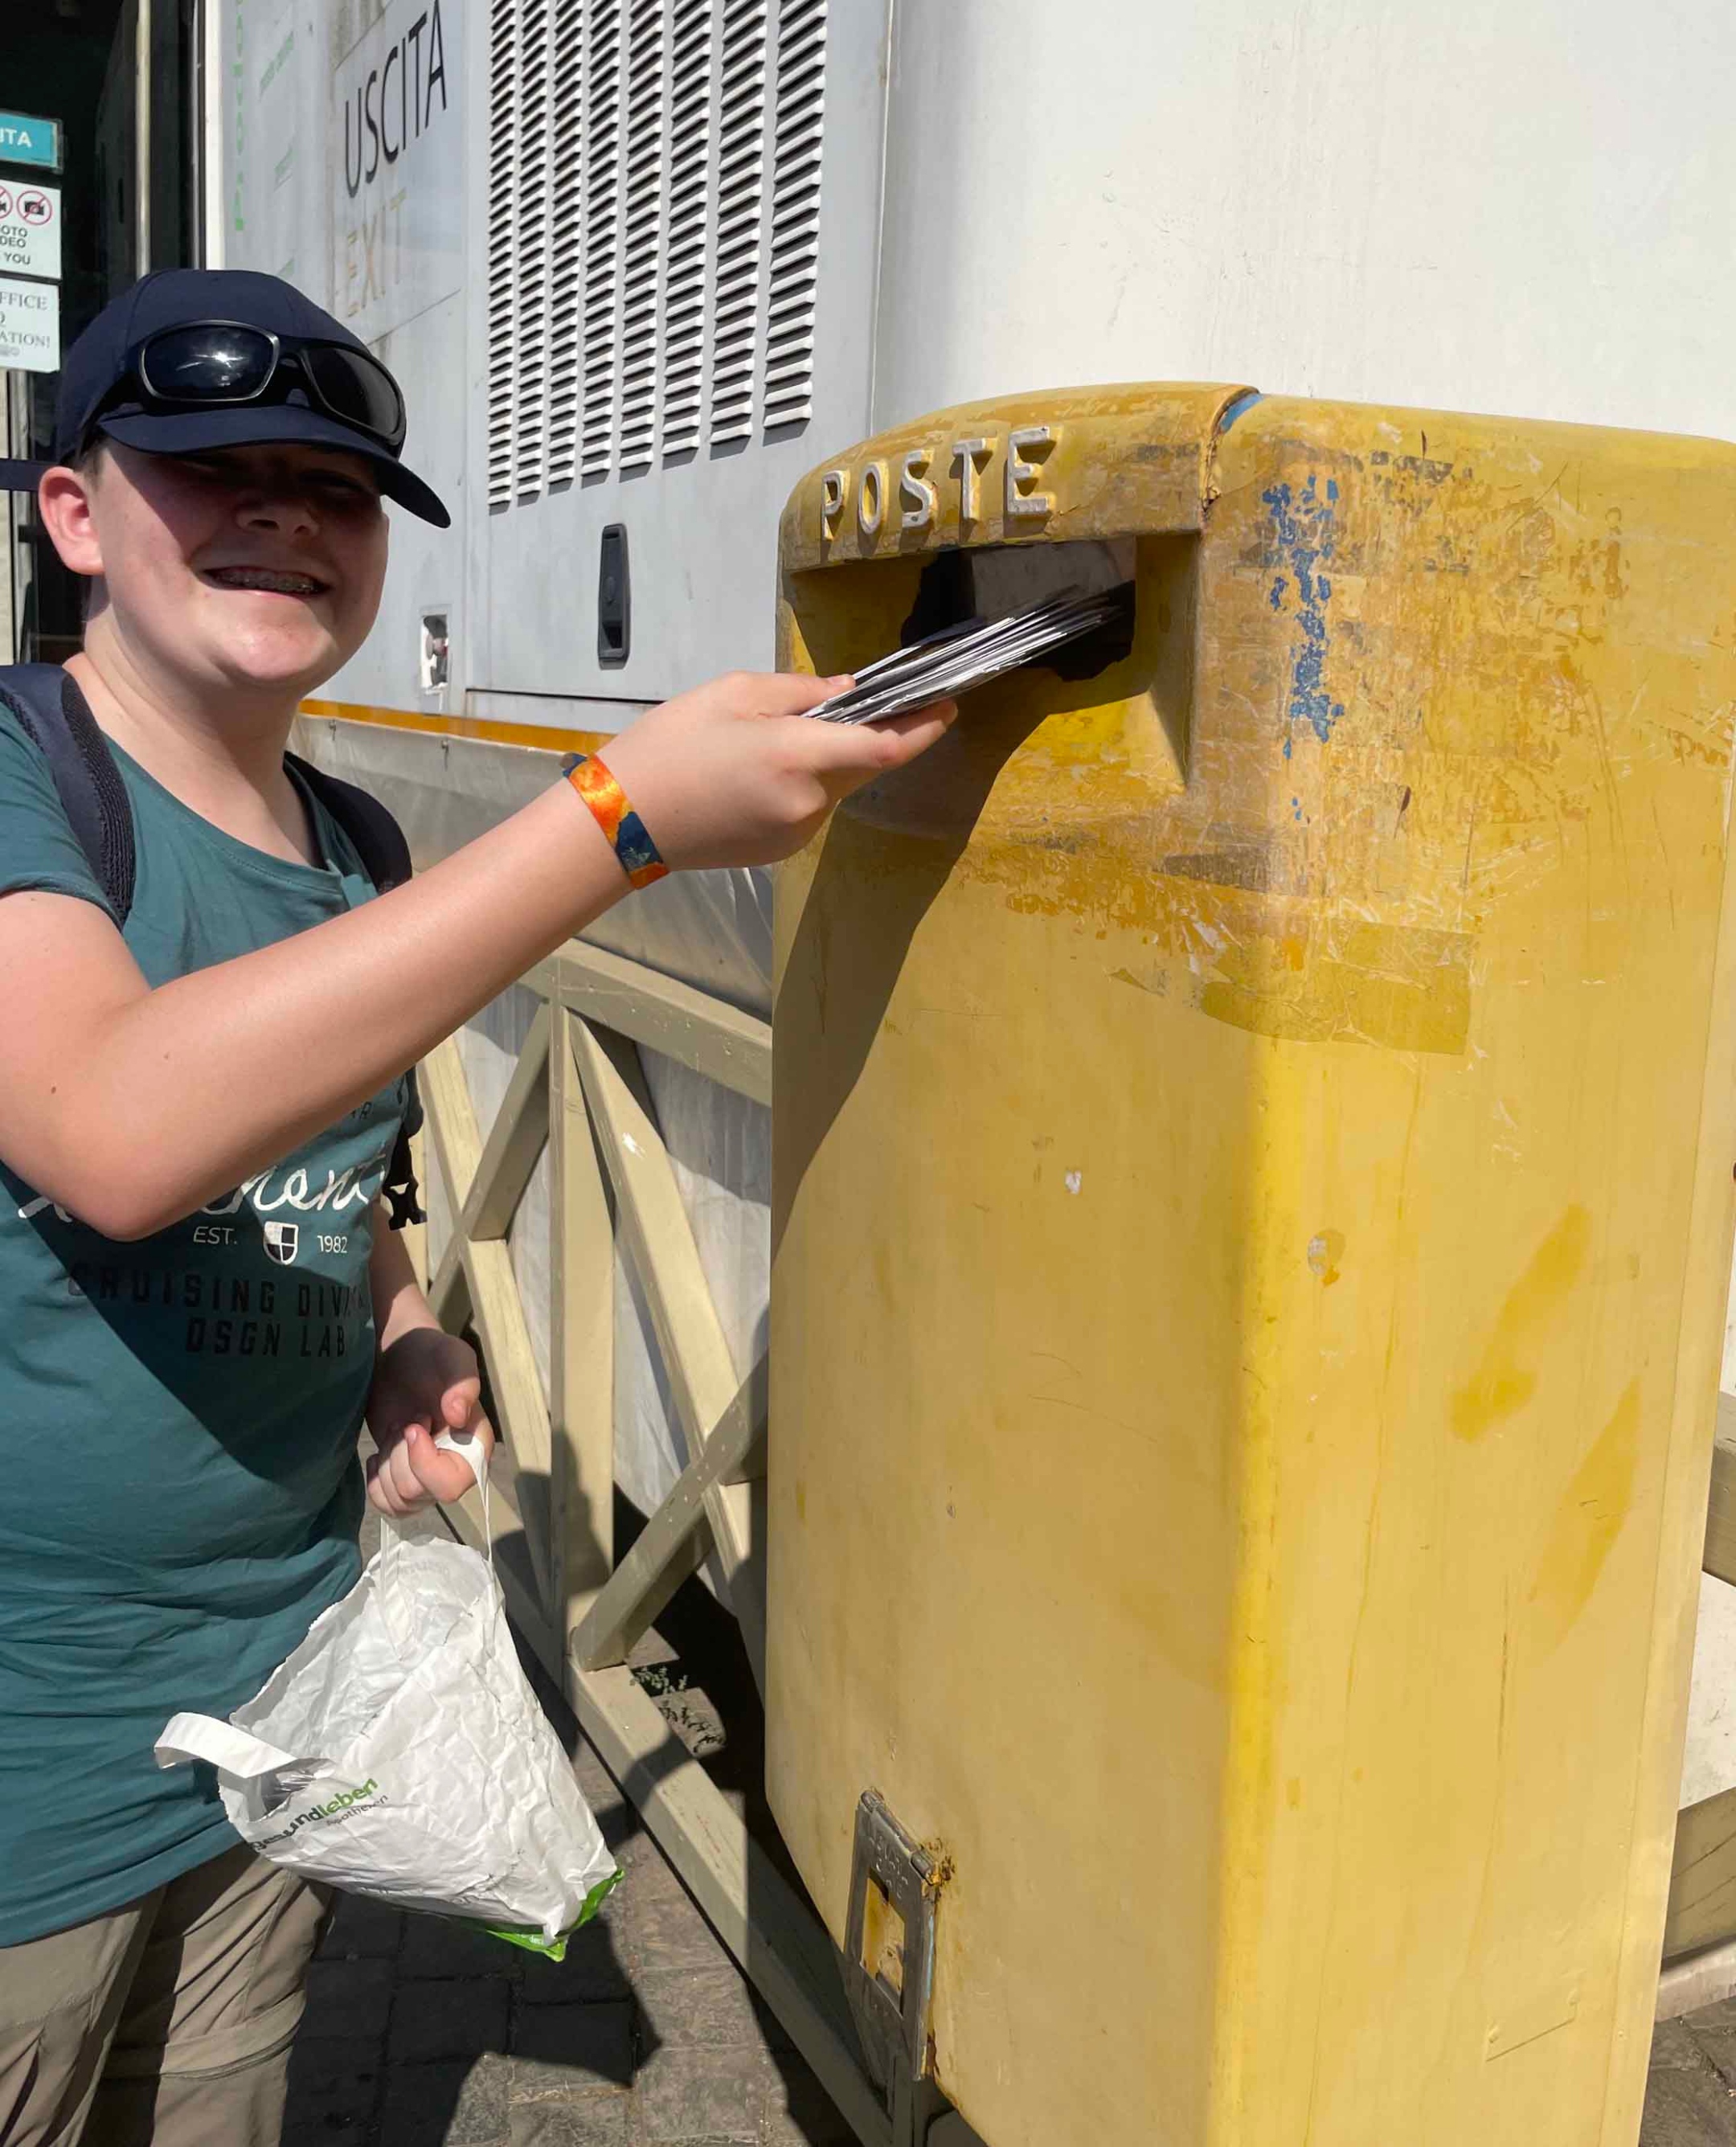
(29, 326)
(26, 139)
(398, 218)
(29, 228)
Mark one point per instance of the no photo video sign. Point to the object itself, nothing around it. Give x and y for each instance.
(29, 228)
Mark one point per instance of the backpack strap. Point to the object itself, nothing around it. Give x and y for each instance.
(379, 843)
(375, 834)
(56, 717)
(403, 1195)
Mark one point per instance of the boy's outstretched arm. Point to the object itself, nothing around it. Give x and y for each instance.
(132, 1108)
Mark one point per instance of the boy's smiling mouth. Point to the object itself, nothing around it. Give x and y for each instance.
(275, 580)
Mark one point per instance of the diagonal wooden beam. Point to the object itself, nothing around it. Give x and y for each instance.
(653, 1226)
(443, 1290)
(451, 1118)
(703, 1033)
(582, 1339)
(497, 1312)
(449, 1128)
(1720, 1556)
(516, 1139)
(478, 1278)
(673, 1543)
(1703, 1877)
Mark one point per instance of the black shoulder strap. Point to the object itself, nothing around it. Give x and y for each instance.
(379, 843)
(55, 717)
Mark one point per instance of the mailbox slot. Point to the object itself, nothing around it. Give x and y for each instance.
(992, 581)
(1126, 691)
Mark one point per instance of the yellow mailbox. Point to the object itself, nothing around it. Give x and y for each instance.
(1252, 1201)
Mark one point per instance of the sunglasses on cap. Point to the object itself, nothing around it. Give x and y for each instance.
(205, 365)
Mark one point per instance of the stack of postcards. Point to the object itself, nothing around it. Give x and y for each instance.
(947, 664)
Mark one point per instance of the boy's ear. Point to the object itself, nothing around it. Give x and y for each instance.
(64, 500)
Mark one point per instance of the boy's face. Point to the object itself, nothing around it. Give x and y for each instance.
(259, 566)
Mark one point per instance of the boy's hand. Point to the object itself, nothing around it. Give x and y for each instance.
(734, 773)
(425, 1383)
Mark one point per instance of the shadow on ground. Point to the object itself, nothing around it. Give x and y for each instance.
(421, 2033)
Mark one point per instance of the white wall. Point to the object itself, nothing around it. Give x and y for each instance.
(1519, 206)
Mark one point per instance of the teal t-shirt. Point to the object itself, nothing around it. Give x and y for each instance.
(181, 1494)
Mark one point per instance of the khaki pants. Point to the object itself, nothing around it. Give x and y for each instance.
(167, 2021)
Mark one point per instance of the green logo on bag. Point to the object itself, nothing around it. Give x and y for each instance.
(346, 1801)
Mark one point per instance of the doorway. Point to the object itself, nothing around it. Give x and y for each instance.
(123, 78)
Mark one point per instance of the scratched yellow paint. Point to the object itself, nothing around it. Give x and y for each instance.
(1252, 1196)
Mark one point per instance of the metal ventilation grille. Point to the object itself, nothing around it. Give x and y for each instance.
(531, 418)
(646, 102)
(602, 215)
(654, 193)
(503, 267)
(794, 279)
(690, 178)
(741, 194)
(566, 252)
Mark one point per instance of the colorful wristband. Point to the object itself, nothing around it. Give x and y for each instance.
(625, 833)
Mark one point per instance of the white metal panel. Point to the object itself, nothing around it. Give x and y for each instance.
(621, 253)
(528, 353)
(741, 204)
(566, 239)
(265, 154)
(642, 252)
(393, 164)
(503, 257)
(730, 208)
(691, 152)
(411, 297)
(797, 173)
(602, 184)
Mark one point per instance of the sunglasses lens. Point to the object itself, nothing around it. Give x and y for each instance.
(214, 363)
(356, 388)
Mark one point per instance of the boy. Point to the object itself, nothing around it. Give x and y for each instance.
(184, 1492)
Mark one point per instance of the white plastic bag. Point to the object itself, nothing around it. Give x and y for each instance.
(400, 1754)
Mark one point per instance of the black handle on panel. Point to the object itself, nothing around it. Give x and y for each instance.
(614, 598)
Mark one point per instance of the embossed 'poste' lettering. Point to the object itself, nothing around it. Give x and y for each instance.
(960, 463)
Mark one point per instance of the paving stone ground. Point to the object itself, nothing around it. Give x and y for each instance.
(1691, 2092)
(418, 2033)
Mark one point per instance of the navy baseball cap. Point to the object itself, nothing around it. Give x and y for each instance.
(99, 392)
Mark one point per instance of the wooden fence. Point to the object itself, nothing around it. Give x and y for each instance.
(577, 1090)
